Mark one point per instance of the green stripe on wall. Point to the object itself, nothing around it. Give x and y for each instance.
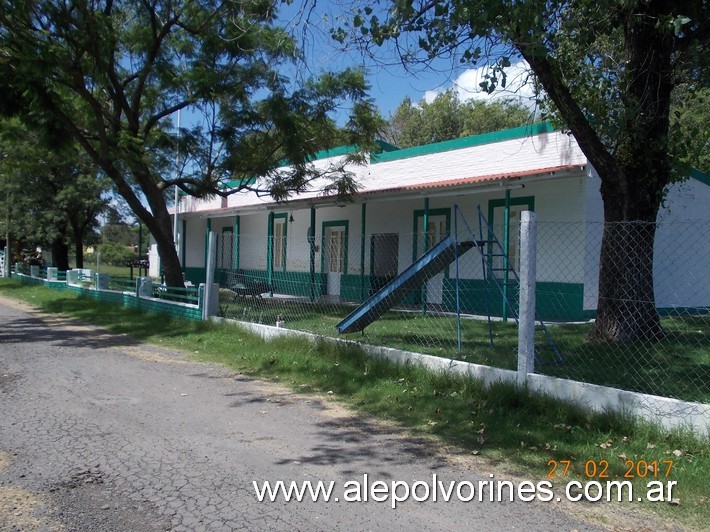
(555, 301)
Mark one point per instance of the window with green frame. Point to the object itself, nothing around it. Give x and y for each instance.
(225, 249)
(438, 226)
(334, 246)
(279, 232)
(507, 229)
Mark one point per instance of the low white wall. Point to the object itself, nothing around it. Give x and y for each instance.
(669, 413)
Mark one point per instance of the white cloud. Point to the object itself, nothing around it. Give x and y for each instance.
(467, 85)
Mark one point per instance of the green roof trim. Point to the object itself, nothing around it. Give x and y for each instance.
(334, 152)
(465, 142)
(344, 150)
(236, 183)
(700, 176)
(386, 146)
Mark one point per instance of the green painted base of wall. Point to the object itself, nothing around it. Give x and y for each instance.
(555, 301)
(196, 276)
(354, 287)
(288, 283)
(190, 312)
(299, 283)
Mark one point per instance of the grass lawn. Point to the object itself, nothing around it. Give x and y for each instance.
(678, 366)
(115, 271)
(501, 425)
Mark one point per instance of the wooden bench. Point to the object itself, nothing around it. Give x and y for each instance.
(244, 287)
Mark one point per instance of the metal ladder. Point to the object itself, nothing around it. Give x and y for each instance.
(491, 249)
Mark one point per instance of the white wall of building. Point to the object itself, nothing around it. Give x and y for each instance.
(253, 231)
(194, 240)
(681, 250)
(569, 208)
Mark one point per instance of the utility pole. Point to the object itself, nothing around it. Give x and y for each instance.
(8, 256)
(177, 194)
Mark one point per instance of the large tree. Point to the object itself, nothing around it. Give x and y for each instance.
(608, 69)
(112, 74)
(55, 195)
(448, 117)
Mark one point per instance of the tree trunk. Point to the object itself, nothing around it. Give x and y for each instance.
(626, 309)
(78, 229)
(161, 227)
(79, 250)
(169, 261)
(633, 174)
(626, 306)
(157, 219)
(60, 254)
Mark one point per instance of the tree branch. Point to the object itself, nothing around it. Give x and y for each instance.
(558, 91)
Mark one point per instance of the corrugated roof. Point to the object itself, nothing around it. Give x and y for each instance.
(442, 171)
(432, 185)
(477, 179)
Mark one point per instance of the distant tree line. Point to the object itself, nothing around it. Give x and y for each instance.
(447, 117)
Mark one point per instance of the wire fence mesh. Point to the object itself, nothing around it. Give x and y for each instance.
(467, 308)
(644, 319)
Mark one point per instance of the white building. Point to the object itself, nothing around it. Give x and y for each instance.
(360, 245)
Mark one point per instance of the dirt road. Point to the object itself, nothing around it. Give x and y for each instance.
(102, 433)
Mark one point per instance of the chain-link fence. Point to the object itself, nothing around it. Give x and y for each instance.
(466, 306)
(644, 319)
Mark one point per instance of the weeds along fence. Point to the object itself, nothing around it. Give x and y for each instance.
(468, 309)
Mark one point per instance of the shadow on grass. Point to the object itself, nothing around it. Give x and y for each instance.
(678, 367)
(136, 323)
(500, 422)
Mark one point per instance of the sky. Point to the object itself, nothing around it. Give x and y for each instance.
(390, 81)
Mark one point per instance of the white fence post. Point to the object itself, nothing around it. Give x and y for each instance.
(528, 276)
(73, 276)
(208, 293)
(102, 280)
(144, 287)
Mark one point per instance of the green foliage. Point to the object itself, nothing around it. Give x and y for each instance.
(448, 118)
(607, 70)
(115, 254)
(122, 234)
(53, 195)
(112, 74)
(690, 126)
